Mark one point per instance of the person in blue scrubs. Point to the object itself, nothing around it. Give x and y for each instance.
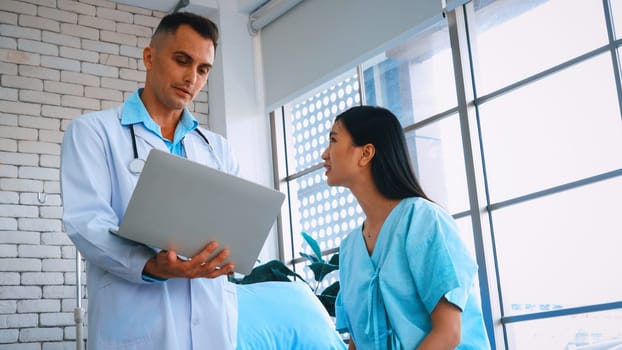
(406, 278)
(138, 297)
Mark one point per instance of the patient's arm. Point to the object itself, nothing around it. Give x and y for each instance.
(446, 327)
(351, 345)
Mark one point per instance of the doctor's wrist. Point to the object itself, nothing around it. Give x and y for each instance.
(150, 276)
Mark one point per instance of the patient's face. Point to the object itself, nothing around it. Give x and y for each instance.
(341, 157)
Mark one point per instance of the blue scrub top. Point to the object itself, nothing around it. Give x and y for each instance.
(418, 259)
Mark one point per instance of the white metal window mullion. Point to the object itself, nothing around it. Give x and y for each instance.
(484, 249)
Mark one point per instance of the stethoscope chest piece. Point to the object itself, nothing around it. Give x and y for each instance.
(136, 166)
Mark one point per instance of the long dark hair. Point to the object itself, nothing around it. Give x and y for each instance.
(391, 167)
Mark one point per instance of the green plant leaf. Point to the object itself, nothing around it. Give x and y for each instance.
(309, 257)
(321, 269)
(334, 260)
(328, 297)
(273, 270)
(331, 290)
(329, 303)
(313, 244)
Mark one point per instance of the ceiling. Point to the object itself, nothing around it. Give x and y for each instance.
(244, 6)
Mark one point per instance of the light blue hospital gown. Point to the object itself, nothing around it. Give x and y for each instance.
(418, 259)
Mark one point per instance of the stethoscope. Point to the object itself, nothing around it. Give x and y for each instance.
(137, 164)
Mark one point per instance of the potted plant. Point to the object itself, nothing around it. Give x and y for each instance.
(276, 270)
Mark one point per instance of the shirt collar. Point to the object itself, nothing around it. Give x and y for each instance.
(134, 112)
(186, 124)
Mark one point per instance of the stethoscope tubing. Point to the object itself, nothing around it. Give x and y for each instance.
(137, 164)
(134, 148)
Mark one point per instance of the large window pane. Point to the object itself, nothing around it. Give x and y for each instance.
(514, 39)
(616, 11)
(309, 121)
(414, 79)
(466, 233)
(436, 152)
(592, 331)
(561, 250)
(557, 130)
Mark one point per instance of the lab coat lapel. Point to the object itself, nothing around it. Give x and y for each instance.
(191, 149)
(197, 150)
(148, 137)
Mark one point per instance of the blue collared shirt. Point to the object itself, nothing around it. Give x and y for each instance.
(135, 112)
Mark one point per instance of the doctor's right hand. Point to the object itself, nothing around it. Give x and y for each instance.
(166, 264)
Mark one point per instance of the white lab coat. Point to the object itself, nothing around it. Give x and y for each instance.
(125, 312)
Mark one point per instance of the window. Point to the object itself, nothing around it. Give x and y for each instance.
(552, 131)
(616, 12)
(549, 116)
(415, 80)
(546, 106)
(325, 213)
(514, 39)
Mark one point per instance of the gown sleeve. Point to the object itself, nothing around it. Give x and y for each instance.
(341, 320)
(87, 186)
(439, 262)
(342, 323)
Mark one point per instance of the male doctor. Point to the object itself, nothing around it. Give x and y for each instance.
(140, 298)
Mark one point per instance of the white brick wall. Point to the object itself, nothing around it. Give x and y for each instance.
(58, 59)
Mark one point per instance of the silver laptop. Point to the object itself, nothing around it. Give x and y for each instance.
(181, 204)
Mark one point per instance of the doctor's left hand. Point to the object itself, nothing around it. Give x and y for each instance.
(166, 264)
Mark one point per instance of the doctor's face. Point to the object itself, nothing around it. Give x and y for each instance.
(341, 157)
(177, 67)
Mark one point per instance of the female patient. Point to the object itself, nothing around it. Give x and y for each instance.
(406, 278)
